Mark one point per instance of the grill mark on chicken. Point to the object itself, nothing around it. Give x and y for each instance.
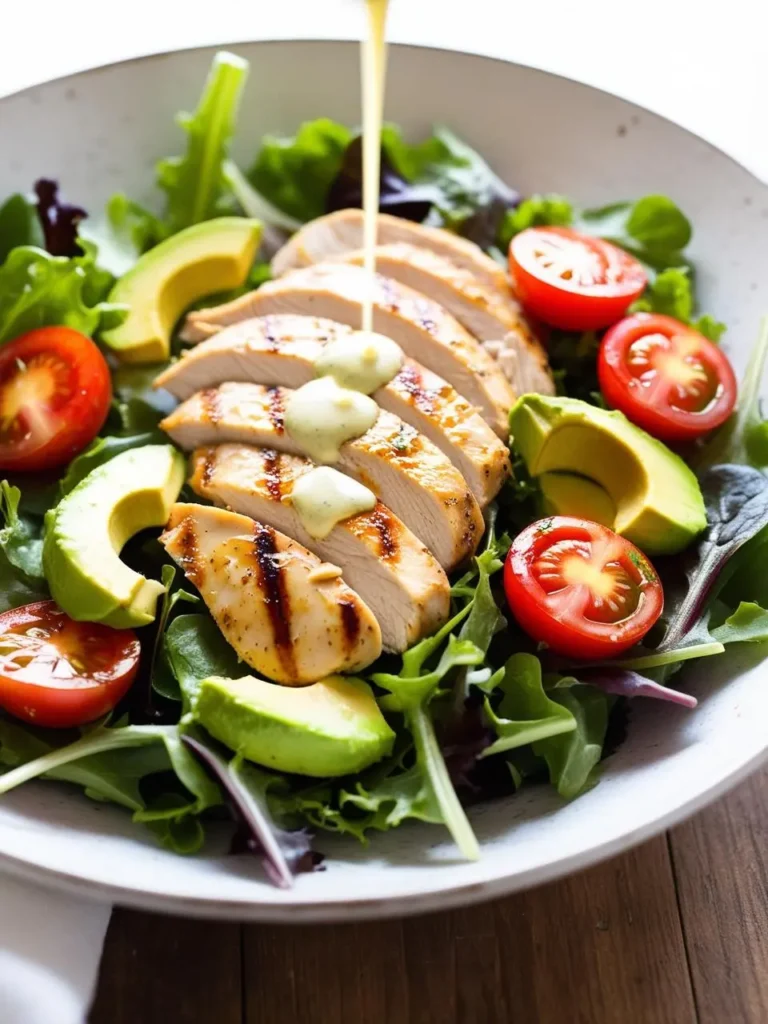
(382, 522)
(412, 381)
(276, 597)
(189, 555)
(350, 623)
(276, 408)
(273, 473)
(209, 465)
(211, 406)
(269, 334)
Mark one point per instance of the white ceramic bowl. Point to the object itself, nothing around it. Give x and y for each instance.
(102, 131)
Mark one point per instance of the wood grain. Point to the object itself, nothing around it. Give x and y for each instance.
(163, 970)
(606, 946)
(721, 866)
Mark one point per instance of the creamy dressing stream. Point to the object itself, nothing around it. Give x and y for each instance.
(334, 408)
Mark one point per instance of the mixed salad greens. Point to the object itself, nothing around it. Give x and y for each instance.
(479, 709)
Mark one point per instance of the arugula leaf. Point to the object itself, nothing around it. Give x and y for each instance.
(391, 800)
(748, 624)
(196, 650)
(19, 225)
(572, 758)
(526, 714)
(743, 439)
(295, 173)
(671, 293)
(38, 290)
(195, 184)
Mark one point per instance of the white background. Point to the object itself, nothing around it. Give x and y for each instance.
(700, 62)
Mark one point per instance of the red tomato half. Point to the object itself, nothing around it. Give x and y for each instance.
(665, 377)
(55, 392)
(580, 588)
(571, 280)
(59, 673)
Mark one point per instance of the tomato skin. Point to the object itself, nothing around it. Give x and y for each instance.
(59, 673)
(654, 396)
(55, 393)
(600, 283)
(541, 556)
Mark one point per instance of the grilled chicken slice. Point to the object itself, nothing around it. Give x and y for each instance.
(420, 326)
(282, 349)
(494, 318)
(287, 614)
(341, 232)
(393, 572)
(401, 467)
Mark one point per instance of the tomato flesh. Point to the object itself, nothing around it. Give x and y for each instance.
(573, 281)
(581, 589)
(59, 673)
(55, 393)
(665, 377)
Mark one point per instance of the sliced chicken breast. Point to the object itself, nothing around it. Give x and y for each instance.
(341, 232)
(392, 571)
(401, 467)
(286, 614)
(421, 327)
(282, 349)
(494, 318)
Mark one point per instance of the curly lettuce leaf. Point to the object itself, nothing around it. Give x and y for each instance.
(537, 211)
(671, 293)
(38, 290)
(21, 570)
(295, 173)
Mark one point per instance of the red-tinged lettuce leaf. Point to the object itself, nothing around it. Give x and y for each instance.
(284, 853)
(59, 220)
(736, 498)
(626, 683)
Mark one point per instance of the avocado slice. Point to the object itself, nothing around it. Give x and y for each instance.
(566, 494)
(214, 256)
(657, 499)
(86, 531)
(333, 727)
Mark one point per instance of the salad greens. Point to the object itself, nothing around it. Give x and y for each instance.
(472, 696)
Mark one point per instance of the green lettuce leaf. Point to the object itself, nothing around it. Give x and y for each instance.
(536, 211)
(19, 225)
(573, 758)
(654, 229)
(525, 714)
(748, 624)
(195, 649)
(295, 173)
(21, 571)
(38, 290)
(110, 763)
(671, 293)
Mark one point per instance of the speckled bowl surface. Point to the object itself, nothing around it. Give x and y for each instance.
(103, 130)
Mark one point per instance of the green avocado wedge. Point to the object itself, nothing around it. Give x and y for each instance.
(330, 728)
(214, 256)
(86, 531)
(656, 497)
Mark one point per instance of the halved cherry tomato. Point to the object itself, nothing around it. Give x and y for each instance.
(571, 280)
(665, 377)
(55, 392)
(57, 672)
(580, 588)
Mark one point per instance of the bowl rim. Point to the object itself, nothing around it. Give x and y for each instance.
(452, 894)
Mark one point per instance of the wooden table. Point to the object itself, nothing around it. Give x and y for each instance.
(675, 931)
